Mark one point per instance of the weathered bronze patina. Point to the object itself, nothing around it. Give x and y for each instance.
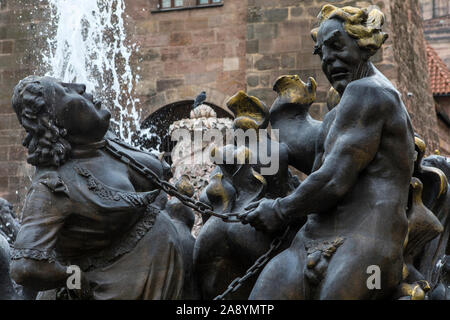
(363, 206)
(370, 201)
(356, 196)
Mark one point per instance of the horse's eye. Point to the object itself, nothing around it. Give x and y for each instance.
(317, 50)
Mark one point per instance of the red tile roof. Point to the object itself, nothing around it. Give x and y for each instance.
(438, 73)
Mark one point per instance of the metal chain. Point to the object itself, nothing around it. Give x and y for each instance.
(168, 188)
(203, 208)
(256, 267)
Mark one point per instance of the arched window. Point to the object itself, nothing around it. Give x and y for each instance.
(160, 121)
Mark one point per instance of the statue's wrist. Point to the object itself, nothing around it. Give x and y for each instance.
(280, 209)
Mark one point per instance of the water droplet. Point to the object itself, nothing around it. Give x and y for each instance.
(80, 51)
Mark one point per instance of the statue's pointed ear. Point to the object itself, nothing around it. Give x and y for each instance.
(434, 180)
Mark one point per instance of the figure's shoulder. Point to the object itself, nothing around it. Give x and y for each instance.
(48, 195)
(375, 89)
(49, 180)
(373, 93)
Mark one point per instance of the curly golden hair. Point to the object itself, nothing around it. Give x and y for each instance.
(364, 25)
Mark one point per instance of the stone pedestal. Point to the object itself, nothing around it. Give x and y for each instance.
(193, 160)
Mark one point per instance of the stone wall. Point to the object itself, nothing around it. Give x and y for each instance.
(410, 68)
(183, 52)
(279, 42)
(437, 33)
(20, 22)
(437, 29)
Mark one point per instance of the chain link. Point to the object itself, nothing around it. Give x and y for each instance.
(202, 208)
(170, 189)
(256, 267)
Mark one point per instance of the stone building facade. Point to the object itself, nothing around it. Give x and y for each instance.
(19, 40)
(246, 45)
(440, 86)
(436, 26)
(183, 52)
(217, 46)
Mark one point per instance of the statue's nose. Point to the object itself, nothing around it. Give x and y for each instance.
(78, 87)
(327, 56)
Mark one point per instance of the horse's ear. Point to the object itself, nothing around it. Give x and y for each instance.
(249, 112)
(435, 186)
(314, 34)
(434, 180)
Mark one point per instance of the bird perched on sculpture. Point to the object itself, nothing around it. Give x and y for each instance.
(199, 99)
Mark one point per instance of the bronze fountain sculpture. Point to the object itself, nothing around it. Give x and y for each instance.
(369, 199)
(85, 207)
(360, 161)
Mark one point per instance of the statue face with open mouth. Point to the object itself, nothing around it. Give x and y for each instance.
(56, 117)
(345, 40)
(341, 57)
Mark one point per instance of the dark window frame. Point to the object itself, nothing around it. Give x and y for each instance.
(172, 5)
(209, 2)
(434, 10)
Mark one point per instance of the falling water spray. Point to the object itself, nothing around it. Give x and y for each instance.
(87, 44)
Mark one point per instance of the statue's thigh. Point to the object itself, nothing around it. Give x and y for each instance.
(282, 278)
(348, 271)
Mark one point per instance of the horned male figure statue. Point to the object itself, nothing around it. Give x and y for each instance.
(356, 196)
